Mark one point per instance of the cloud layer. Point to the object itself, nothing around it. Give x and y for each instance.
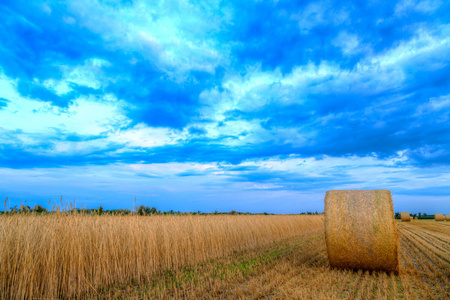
(356, 92)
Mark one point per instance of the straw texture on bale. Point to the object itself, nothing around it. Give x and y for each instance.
(405, 216)
(447, 217)
(439, 217)
(360, 230)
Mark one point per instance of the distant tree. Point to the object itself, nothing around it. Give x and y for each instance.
(145, 210)
(424, 214)
(100, 210)
(39, 209)
(420, 214)
(397, 215)
(233, 212)
(414, 216)
(24, 209)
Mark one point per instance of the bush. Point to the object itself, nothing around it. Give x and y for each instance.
(145, 210)
(39, 209)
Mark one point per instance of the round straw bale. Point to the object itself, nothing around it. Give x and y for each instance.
(447, 217)
(360, 230)
(405, 216)
(439, 217)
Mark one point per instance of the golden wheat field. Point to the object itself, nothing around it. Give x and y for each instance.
(206, 257)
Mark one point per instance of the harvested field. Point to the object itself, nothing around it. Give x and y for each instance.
(294, 266)
(297, 268)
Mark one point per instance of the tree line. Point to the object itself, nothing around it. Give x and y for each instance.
(419, 215)
(141, 210)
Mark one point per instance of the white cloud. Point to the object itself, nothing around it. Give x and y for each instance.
(428, 50)
(319, 13)
(426, 6)
(69, 20)
(374, 74)
(438, 106)
(90, 74)
(355, 172)
(39, 119)
(37, 122)
(248, 93)
(143, 136)
(45, 8)
(170, 169)
(439, 103)
(258, 88)
(349, 43)
(176, 36)
(116, 185)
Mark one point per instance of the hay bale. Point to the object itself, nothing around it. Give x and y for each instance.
(447, 217)
(439, 217)
(360, 230)
(405, 216)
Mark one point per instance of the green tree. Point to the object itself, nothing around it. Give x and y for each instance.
(145, 210)
(39, 209)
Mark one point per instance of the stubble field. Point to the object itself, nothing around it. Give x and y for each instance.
(297, 268)
(206, 257)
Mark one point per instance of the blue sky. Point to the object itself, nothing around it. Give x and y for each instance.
(210, 105)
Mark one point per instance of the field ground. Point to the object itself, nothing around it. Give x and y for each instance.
(297, 268)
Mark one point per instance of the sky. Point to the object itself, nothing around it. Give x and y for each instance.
(258, 106)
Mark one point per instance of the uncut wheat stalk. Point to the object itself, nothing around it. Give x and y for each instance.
(360, 230)
(405, 216)
(64, 255)
(439, 217)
